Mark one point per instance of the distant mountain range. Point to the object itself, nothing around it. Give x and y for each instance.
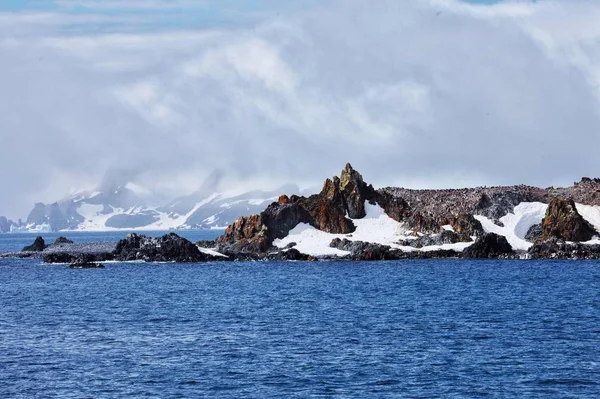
(124, 207)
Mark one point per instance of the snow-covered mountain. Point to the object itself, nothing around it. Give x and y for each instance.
(125, 207)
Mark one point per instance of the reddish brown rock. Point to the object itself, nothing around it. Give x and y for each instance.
(466, 226)
(247, 234)
(562, 221)
(355, 192)
(283, 199)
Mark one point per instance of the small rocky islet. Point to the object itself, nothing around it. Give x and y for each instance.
(433, 218)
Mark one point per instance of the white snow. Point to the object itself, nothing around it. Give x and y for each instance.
(211, 252)
(94, 194)
(458, 247)
(447, 227)
(31, 228)
(311, 241)
(590, 214)
(516, 224)
(94, 220)
(376, 227)
(527, 214)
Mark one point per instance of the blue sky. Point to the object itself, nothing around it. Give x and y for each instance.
(211, 5)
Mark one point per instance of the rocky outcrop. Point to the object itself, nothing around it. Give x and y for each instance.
(59, 257)
(77, 257)
(534, 233)
(494, 205)
(562, 221)
(488, 246)
(62, 240)
(466, 226)
(360, 250)
(555, 248)
(445, 237)
(289, 255)
(340, 199)
(247, 234)
(168, 248)
(355, 192)
(38, 245)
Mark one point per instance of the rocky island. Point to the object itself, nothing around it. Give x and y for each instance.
(350, 219)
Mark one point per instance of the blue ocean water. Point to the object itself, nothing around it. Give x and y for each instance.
(16, 242)
(417, 329)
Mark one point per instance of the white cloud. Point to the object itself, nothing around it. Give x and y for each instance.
(420, 93)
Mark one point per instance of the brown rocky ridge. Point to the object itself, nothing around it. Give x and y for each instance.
(425, 213)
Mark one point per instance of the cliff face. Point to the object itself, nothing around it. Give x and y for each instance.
(428, 212)
(562, 221)
(340, 197)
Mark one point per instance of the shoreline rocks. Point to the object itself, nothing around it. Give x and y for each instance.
(489, 246)
(38, 245)
(430, 218)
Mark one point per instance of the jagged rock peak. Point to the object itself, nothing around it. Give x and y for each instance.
(38, 245)
(562, 221)
(349, 175)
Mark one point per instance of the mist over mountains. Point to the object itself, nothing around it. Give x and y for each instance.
(415, 93)
(117, 204)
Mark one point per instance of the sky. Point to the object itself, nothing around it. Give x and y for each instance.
(417, 93)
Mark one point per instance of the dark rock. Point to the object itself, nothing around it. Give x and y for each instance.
(59, 257)
(366, 251)
(62, 240)
(445, 237)
(489, 245)
(289, 255)
(424, 223)
(562, 221)
(38, 245)
(554, 248)
(466, 226)
(210, 244)
(534, 233)
(394, 206)
(168, 248)
(497, 204)
(355, 192)
(437, 254)
(77, 257)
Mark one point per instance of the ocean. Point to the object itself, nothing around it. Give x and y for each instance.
(414, 329)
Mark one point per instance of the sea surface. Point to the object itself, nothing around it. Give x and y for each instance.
(409, 329)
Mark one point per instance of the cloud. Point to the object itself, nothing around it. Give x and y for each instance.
(418, 93)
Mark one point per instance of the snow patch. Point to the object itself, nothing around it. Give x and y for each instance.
(376, 228)
(211, 252)
(516, 224)
(311, 241)
(591, 214)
